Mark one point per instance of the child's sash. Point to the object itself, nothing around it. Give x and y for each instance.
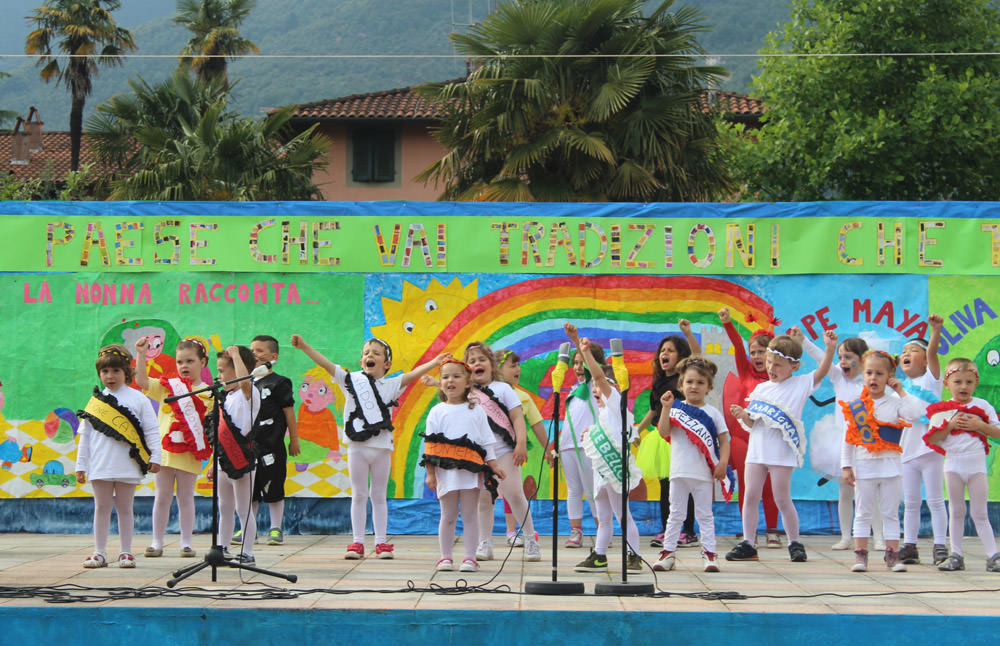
(236, 454)
(371, 415)
(773, 416)
(701, 430)
(108, 416)
(496, 413)
(920, 393)
(942, 412)
(605, 452)
(864, 429)
(187, 432)
(462, 453)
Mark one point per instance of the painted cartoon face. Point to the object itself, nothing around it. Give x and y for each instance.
(316, 394)
(374, 361)
(758, 355)
(779, 368)
(962, 385)
(262, 352)
(695, 387)
(227, 372)
(850, 363)
(510, 371)
(876, 375)
(155, 346)
(189, 364)
(482, 367)
(913, 360)
(455, 382)
(669, 356)
(112, 378)
(578, 369)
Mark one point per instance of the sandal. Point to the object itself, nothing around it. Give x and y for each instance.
(126, 560)
(153, 552)
(95, 561)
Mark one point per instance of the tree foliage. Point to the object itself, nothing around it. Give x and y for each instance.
(887, 125)
(85, 30)
(179, 141)
(214, 25)
(579, 100)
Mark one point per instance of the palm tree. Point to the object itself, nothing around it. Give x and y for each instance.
(179, 141)
(580, 100)
(86, 31)
(216, 37)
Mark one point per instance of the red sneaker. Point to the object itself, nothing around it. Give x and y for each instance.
(383, 551)
(355, 551)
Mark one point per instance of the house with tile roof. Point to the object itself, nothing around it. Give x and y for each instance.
(382, 140)
(30, 152)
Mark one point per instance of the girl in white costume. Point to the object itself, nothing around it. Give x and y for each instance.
(773, 417)
(921, 369)
(871, 454)
(460, 463)
(959, 428)
(115, 455)
(368, 425)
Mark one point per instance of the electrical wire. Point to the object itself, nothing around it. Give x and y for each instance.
(462, 57)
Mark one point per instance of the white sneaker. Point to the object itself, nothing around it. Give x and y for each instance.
(665, 563)
(878, 545)
(842, 544)
(532, 550)
(485, 550)
(469, 565)
(709, 560)
(515, 539)
(575, 538)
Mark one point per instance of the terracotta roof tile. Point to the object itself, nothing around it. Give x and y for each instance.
(405, 104)
(52, 162)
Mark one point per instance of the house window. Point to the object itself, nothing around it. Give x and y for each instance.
(374, 155)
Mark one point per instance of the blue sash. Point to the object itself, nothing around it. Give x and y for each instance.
(920, 393)
(791, 428)
(701, 430)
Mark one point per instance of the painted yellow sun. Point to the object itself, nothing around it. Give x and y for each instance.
(414, 321)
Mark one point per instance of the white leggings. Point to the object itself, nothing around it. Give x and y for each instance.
(512, 490)
(929, 470)
(578, 482)
(702, 492)
(781, 485)
(235, 495)
(468, 499)
(608, 502)
(978, 489)
(878, 495)
(362, 462)
(165, 479)
(109, 494)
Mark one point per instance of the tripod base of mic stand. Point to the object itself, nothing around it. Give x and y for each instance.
(623, 588)
(553, 588)
(215, 559)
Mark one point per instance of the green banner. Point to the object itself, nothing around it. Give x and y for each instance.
(540, 244)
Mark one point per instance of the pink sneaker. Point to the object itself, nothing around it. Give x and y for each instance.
(355, 551)
(469, 565)
(575, 538)
(444, 565)
(383, 551)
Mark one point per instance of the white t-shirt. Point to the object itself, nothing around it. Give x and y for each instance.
(882, 464)
(503, 392)
(455, 421)
(844, 388)
(956, 444)
(767, 445)
(388, 389)
(105, 458)
(913, 440)
(686, 461)
(241, 410)
(577, 412)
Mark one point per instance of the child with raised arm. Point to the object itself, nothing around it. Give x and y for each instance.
(871, 452)
(699, 445)
(773, 416)
(601, 441)
(921, 378)
(847, 381)
(237, 459)
(654, 453)
(119, 444)
(959, 429)
(182, 436)
(368, 425)
(460, 463)
(750, 371)
(503, 410)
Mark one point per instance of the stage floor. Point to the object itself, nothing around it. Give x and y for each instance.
(328, 581)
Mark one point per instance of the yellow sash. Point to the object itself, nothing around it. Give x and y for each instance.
(117, 422)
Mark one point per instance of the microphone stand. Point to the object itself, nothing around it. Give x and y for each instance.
(624, 587)
(215, 557)
(555, 587)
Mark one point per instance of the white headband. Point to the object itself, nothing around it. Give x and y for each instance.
(781, 354)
